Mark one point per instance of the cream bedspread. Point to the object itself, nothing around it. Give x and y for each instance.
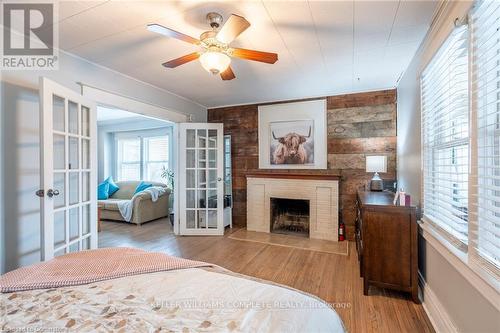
(185, 300)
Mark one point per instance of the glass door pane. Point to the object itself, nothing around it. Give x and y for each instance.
(73, 117)
(59, 151)
(85, 121)
(73, 153)
(58, 113)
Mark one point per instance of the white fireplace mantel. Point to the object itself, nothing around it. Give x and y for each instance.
(321, 192)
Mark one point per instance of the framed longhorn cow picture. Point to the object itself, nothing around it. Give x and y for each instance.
(293, 135)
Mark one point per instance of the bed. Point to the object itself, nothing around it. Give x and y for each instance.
(187, 297)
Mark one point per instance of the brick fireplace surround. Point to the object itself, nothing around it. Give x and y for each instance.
(320, 191)
(358, 125)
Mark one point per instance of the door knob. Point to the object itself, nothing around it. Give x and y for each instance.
(51, 193)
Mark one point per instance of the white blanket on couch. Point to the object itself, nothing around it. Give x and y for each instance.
(126, 206)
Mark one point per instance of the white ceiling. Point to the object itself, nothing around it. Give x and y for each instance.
(324, 47)
(105, 114)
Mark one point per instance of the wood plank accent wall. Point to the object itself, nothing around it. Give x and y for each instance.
(358, 125)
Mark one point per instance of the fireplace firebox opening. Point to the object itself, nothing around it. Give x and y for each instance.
(290, 216)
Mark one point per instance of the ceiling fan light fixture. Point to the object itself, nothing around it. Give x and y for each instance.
(215, 62)
(215, 52)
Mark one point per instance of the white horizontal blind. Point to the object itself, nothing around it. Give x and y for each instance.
(156, 159)
(157, 149)
(485, 86)
(445, 138)
(129, 159)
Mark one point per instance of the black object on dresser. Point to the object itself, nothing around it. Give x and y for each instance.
(386, 241)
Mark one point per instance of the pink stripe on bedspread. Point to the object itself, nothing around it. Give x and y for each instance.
(91, 266)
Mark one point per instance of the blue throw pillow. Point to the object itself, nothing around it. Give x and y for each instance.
(103, 191)
(112, 186)
(142, 186)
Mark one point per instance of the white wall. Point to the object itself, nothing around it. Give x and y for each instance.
(21, 175)
(19, 132)
(73, 69)
(408, 132)
(467, 308)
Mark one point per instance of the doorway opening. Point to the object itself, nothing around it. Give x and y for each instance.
(135, 171)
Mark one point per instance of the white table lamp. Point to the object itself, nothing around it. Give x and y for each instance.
(376, 164)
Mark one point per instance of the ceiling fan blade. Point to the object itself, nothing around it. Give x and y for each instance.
(266, 57)
(227, 74)
(234, 26)
(172, 33)
(182, 60)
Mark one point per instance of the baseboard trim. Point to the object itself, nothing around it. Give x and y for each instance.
(437, 314)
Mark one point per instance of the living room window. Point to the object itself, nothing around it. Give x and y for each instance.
(142, 157)
(461, 139)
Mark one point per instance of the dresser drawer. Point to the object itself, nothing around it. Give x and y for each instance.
(388, 248)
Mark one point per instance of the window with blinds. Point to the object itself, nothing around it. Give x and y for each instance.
(129, 159)
(485, 88)
(141, 156)
(156, 157)
(445, 138)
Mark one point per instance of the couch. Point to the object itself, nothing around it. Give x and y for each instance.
(144, 209)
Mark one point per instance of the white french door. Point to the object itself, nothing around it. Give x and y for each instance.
(201, 169)
(68, 163)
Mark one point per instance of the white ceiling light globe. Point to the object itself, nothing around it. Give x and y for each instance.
(215, 62)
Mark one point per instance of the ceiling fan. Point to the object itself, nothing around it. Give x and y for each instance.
(215, 54)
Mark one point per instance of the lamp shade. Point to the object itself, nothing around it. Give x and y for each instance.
(376, 163)
(215, 62)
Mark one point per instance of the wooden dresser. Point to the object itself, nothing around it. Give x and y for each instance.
(386, 241)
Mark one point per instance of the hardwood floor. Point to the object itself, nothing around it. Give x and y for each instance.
(334, 278)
